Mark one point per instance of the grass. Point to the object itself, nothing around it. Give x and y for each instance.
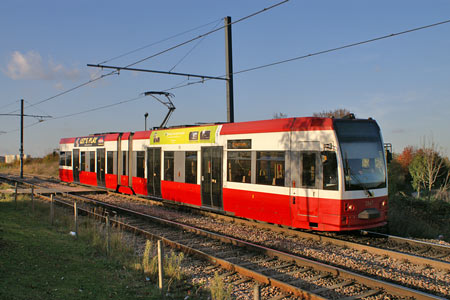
(419, 218)
(40, 261)
(47, 166)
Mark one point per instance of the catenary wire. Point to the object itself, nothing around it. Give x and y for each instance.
(193, 48)
(316, 53)
(264, 66)
(154, 55)
(158, 42)
(205, 34)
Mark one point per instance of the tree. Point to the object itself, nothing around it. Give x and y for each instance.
(337, 113)
(279, 115)
(427, 167)
(417, 171)
(405, 158)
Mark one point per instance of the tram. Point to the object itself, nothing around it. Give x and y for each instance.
(324, 174)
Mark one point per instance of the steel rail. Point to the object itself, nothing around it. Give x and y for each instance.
(336, 271)
(375, 283)
(411, 242)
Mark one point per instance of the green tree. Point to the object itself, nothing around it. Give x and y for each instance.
(428, 169)
(417, 171)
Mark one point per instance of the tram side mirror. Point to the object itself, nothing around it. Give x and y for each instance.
(388, 152)
(388, 156)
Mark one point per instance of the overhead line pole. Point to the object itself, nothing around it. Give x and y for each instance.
(22, 115)
(21, 138)
(228, 77)
(229, 70)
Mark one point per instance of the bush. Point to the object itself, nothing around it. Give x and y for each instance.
(419, 218)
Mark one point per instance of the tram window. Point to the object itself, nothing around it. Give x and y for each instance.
(239, 166)
(83, 166)
(91, 161)
(168, 165)
(270, 168)
(62, 158)
(309, 169)
(330, 174)
(190, 165)
(124, 163)
(69, 159)
(140, 164)
(109, 162)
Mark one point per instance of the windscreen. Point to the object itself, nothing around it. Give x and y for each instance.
(362, 154)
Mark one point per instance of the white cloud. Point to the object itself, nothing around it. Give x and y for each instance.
(31, 66)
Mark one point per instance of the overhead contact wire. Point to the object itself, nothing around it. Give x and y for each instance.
(317, 53)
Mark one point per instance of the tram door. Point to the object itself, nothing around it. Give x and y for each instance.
(211, 185)
(305, 177)
(101, 167)
(154, 172)
(76, 165)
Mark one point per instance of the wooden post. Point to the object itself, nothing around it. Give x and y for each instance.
(32, 198)
(160, 265)
(256, 292)
(75, 218)
(15, 195)
(52, 213)
(108, 244)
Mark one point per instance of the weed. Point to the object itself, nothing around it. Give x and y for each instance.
(219, 289)
(149, 260)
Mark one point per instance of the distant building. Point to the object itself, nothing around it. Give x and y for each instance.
(2, 159)
(12, 158)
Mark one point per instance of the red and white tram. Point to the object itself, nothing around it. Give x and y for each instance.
(313, 173)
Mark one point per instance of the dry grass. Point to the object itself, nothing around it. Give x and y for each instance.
(47, 166)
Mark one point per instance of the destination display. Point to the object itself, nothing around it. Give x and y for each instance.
(90, 141)
(239, 144)
(188, 135)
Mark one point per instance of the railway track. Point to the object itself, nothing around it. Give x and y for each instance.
(288, 268)
(292, 274)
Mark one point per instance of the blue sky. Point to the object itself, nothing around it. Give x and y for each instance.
(402, 82)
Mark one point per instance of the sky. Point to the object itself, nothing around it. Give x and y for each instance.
(403, 81)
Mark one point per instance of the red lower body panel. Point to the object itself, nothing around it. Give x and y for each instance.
(301, 212)
(111, 181)
(89, 178)
(265, 207)
(66, 175)
(339, 215)
(181, 192)
(140, 185)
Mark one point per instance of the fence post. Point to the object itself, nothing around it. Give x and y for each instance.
(160, 266)
(256, 292)
(32, 198)
(15, 195)
(75, 218)
(108, 244)
(52, 213)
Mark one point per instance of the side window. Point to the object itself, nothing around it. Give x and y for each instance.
(168, 165)
(270, 168)
(308, 169)
(91, 161)
(140, 164)
(83, 161)
(109, 162)
(239, 166)
(68, 158)
(62, 158)
(190, 165)
(124, 163)
(330, 173)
